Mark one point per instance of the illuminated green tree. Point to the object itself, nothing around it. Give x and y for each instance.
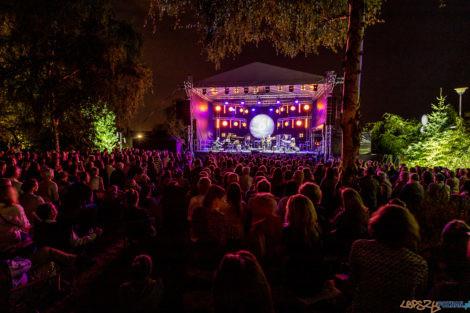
(393, 134)
(444, 140)
(104, 134)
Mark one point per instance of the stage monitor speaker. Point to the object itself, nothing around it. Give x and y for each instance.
(331, 111)
(183, 111)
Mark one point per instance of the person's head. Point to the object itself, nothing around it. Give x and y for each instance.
(311, 191)
(214, 197)
(83, 177)
(263, 186)
(234, 194)
(30, 185)
(246, 171)
(13, 172)
(302, 217)
(352, 200)
(141, 267)
(94, 171)
(8, 194)
(232, 178)
(397, 201)
(277, 174)
(203, 185)
(404, 176)
(369, 171)
(262, 205)
(394, 226)
(291, 188)
(46, 211)
(241, 286)
(47, 174)
(119, 166)
(455, 239)
(298, 177)
(414, 178)
(439, 178)
(132, 198)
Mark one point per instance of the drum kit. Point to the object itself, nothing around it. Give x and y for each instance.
(232, 143)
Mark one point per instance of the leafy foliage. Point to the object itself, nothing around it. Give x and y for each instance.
(56, 56)
(104, 133)
(393, 134)
(444, 141)
(292, 27)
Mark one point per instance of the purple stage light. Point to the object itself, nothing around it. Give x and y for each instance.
(242, 102)
(259, 101)
(271, 109)
(278, 101)
(226, 102)
(296, 101)
(253, 109)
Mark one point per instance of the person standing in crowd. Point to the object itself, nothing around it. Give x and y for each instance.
(387, 270)
(29, 200)
(48, 189)
(369, 189)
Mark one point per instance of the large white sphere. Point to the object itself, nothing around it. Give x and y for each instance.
(261, 126)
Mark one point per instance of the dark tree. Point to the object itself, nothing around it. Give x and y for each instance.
(57, 57)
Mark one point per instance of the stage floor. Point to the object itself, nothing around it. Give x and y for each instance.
(315, 153)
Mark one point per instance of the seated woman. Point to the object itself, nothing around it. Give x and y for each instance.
(349, 224)
(305, 269)
(48, 232)
(241, 286)
(386, 270)
(14, 224)
(452, 264)
(142, 293)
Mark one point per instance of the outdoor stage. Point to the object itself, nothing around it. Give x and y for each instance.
(260, 108)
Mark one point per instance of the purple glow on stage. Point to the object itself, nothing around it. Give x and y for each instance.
(296, 101)
(253, 110)
(226, 102)
(242, 102)
(278, 101)
(271, 109)
(259, 101)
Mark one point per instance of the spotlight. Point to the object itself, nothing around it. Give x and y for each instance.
(235, 124)
(226, 102)
(286, 123)
(259, 102)
(306, 107)
(278, 124)
(296, 101)
(235, 90)
(298, 123)
(244, 124)
(253, 109)
(218, 108)
(277, 111)
(291, 88)
(214, 91)
(278, 101)
(246, 111)
(302, 88)
(241, 110)
(292, 108)
(224, 123)
(245, 89)
(227, 90)
(282, 109)
(204, 91)
(242, 102)
(139, 136)
(271, 109)
(231, 109)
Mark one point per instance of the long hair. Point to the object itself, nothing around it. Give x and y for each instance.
(234, 196)
(352, 203)
(213, 193)
(395, 226)
(302, 218)
(241, 286)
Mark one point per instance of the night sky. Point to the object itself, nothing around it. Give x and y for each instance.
(418, 49)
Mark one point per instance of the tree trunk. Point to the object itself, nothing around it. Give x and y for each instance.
(352, 81)
(55, 130)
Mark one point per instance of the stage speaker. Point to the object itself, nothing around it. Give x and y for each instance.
(183, 111)
(331, 111)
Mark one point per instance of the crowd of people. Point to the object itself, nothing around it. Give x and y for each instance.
(297, 226)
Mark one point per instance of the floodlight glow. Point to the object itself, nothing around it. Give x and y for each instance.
(218, 108)
(306, 107)
(224, 123)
